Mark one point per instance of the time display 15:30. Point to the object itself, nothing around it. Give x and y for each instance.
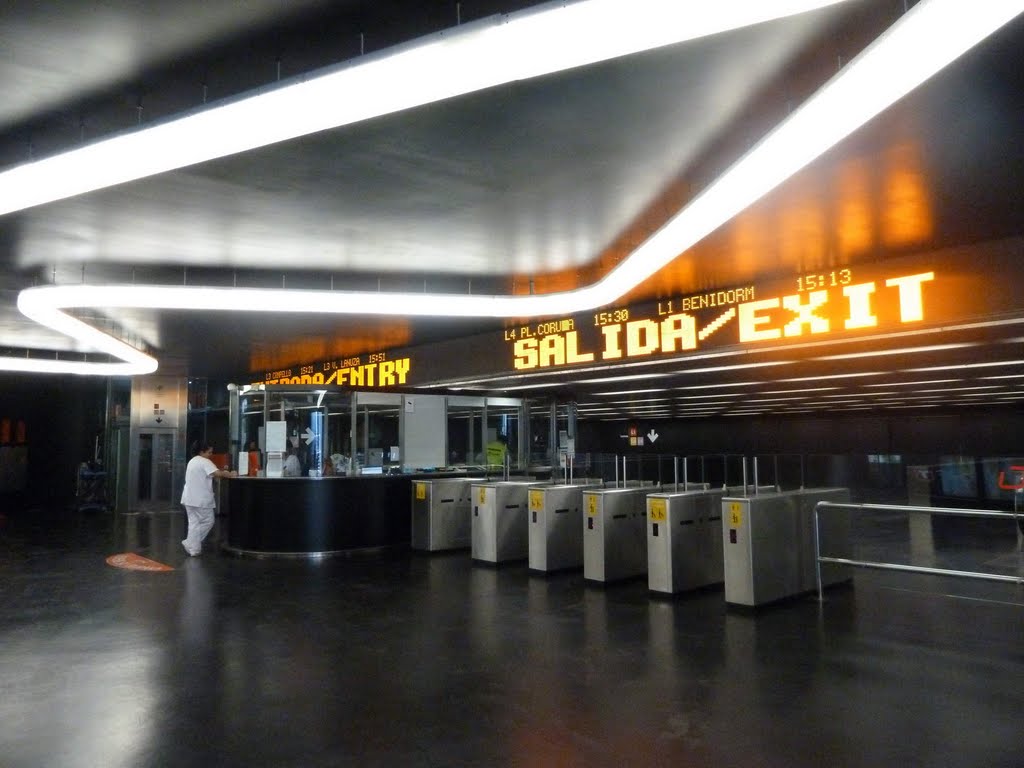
(612, 316)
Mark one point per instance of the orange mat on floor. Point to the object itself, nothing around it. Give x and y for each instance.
(133, 562)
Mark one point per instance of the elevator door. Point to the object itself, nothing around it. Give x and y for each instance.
(155, 469)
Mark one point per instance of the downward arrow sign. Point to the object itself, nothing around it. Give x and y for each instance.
(652, 435)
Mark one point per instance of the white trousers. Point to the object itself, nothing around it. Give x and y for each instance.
(200, 521)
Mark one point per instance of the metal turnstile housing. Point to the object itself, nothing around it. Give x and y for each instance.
(769, 544)
(684, 537)
(499, 518)
(684, 540)
(441, 513)
(555, 532)
(614, 534)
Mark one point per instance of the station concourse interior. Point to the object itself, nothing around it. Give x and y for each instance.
(854, 327)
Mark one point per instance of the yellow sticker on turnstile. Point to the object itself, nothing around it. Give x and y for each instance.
(591, 504)
(421, 491)
(536, 501)
(656, 509)
(483, 494)
(735, 514)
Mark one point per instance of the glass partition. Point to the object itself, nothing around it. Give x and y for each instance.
(251, 418)
(377, 448)
(339, 438)
(305, 416)
(503, 432)
(338, 431)
(465, 417)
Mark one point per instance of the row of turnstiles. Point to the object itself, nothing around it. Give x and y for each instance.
(759, 541)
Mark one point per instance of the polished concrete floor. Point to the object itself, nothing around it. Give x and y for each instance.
(416, 660)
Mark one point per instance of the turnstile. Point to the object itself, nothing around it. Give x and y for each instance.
(769, 544)
(441, 513)
(614, 535)
(499, 520)
(684, 538)
(555, 531)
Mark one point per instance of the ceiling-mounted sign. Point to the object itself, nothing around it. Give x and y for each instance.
(377, 370)
(818, 304)
(855, 301)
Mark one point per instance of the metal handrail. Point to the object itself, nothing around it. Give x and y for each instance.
(819, 558)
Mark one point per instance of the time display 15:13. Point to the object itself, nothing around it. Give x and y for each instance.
(824, 280)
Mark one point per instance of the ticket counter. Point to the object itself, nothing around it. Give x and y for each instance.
(336, 465)
(312, 517)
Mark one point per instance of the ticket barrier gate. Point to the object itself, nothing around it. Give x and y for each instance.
(555, 530)
(441, 513)
(769, 544)
(683, 529)
(614, 534)
(499, 521)
(684, 537)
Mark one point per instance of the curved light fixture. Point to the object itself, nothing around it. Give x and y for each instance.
(548, 38)
(923, 41)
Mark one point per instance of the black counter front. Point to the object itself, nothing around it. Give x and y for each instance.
(294, 516)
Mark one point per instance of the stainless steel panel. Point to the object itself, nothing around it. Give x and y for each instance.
(499, 528)
(614, 534)
(769, 544)
(684, 540)
(441, 513)
(555, 530)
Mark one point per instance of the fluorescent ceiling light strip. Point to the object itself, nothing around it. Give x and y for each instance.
(833, 376)
(900, 351)
(721, 385)
(795, 391)
(633, 402)
(494, 51)
(548, 385)
(627, 392)
(964, 389)
(924, 40)
(963, 365)
(914, 383)
(718, 368)
(867, 394)
(714, 395)
(632, 377)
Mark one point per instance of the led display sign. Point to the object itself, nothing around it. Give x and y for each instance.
(821, 304)
(373, 371)
(861, 301)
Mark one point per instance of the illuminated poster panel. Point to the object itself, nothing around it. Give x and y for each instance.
(862, 301)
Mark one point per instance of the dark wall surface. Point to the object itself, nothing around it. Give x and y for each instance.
(976, 433)
(63, 416)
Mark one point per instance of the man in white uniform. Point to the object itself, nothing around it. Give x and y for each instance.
(198, 499)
